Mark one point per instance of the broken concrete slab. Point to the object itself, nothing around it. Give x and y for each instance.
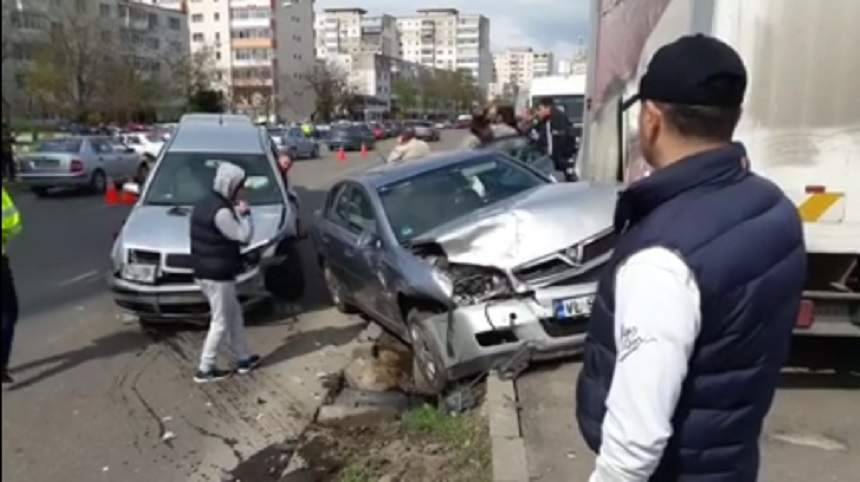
(344, 416)
(351, 397)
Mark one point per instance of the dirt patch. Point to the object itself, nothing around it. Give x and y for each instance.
(424, 445)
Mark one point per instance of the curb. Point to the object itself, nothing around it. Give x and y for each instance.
(508, 446)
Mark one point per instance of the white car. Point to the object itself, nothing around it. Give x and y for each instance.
(148, 145)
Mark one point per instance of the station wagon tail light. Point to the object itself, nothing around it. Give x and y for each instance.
(77, 166)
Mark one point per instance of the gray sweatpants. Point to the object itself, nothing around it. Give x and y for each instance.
(227, 320)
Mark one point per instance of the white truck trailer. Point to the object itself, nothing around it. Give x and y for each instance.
(801, 121)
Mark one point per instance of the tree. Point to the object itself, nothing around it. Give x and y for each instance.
(329, 84)
(195, 78)
(406, 94)
(207, 100)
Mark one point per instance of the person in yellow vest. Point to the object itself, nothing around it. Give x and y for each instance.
(11, 227)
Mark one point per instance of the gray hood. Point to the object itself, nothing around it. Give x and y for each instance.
(529, 226)
(228, 178)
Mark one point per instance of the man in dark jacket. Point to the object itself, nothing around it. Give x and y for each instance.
(693, 319)
(220, 225)
(555, 137)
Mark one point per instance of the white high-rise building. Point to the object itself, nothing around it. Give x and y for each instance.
(518, 66)
(444, 38)
(350, 31)
(260, 48)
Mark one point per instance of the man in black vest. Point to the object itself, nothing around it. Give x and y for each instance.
(220, 225)
(555, 137)
(693, 319)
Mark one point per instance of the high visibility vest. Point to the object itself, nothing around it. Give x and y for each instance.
(11, 219)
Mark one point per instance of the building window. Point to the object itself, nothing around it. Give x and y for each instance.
(104, 10)
(217, 55)
(197, 37)
(174, 23)
(197, 18)
(217, 16)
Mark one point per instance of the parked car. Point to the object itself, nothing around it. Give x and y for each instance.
(424, 130)
(294, 142)
(468, 256)
(80, 162)
(463, 121)
(350, 137)
(147, 144)
(442, 125)
(151, 272)
(392, 128)
(379, 132)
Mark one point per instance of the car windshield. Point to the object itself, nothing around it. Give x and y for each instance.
(419, 204)
(59, 145)
(182, 178)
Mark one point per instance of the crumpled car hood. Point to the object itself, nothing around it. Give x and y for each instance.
(527, 227)
(155, 228)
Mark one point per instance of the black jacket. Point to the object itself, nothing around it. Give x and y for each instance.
(563, 146)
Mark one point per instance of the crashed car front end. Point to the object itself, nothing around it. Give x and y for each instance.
(521, 278)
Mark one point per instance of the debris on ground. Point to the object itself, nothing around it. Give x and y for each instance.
(382, 366)
(168, 436)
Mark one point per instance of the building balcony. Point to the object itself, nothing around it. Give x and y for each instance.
(253, 43)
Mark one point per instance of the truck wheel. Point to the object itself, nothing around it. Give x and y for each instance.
(98, 183)
(287, 280)
(428, 369)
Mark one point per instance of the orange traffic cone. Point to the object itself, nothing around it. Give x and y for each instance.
(363, 150)
(111, 195)
(127, 198)
(341, 155)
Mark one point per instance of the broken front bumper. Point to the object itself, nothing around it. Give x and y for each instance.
(183, 301)
(473, 339)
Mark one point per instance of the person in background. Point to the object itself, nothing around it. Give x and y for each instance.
(504, 122)
(8, 167)
(481, 131)
(694, 316)
(308, 129)
(9, 308)
(408, 147)
(220, 225)
(555, 137)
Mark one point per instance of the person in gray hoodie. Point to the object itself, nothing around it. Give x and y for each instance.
(221, 224)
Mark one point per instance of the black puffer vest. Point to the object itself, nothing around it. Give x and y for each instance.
(743, 240)
(213, 256)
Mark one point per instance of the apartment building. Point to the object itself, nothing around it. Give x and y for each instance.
(154, 38)
(444, 38)
(518, 66)
(260, 50)
(350, 31)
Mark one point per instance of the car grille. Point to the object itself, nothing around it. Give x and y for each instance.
(569, 263)
(178, 261)
(176, 279)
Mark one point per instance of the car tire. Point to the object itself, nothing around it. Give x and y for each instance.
(335, 290)
(428, 370)
(287, 280)
(39, 191)
(315, 153)
(98, 183)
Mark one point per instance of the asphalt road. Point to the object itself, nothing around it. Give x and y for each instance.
(98, 399)
(811, 434)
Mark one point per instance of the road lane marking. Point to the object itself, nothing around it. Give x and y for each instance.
(80, 278)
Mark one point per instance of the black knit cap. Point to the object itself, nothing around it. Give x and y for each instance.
(695, 70)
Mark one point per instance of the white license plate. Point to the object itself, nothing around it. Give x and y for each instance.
(572, 307)
(143, 273)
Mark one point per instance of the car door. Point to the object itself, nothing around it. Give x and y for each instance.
(346, 221)
(104, 157)
(127, 159)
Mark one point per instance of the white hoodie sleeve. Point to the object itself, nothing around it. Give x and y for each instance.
(236, 228)
(657, 322)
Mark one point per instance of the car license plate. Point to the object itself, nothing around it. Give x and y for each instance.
(143, 273)
(572, 307)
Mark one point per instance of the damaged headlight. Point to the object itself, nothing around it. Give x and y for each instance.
(474, 284)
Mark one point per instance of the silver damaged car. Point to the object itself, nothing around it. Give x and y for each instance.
(152, 276)
(473, 258)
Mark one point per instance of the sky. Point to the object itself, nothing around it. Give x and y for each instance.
(555, 25)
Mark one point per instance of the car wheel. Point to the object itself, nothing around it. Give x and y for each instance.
(287, 280)
(335, 290)
(315, 154)
(98, 183)
(142, 173)
(39, 191)
(428, 369)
